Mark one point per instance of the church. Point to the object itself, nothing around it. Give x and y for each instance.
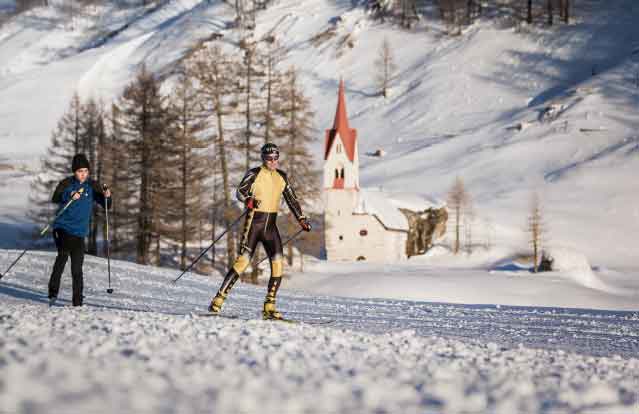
(370, 224)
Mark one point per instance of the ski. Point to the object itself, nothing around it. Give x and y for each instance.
(297, 321)
(284, 320)
(217, 315)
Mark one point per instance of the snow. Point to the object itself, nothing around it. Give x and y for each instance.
(487, 282)
(143, 349)
(385, 206)
(438, 333)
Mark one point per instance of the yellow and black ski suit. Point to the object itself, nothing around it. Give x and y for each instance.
(266, 187)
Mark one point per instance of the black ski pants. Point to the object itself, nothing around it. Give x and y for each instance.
(68, 245)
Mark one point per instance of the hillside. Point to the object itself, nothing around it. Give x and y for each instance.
(453, 110)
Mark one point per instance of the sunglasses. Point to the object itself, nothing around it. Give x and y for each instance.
(271, 157)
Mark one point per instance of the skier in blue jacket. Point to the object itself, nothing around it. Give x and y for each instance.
(70, 229)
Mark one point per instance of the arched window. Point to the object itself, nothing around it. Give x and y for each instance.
(336, 174)
(338, 149)
(342, 173)
(341, 238)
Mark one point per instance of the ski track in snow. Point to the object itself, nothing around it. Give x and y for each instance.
(143, 349)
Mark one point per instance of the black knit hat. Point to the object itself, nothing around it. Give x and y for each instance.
(79, 161)
(269, 149)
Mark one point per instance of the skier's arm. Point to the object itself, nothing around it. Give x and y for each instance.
(58, 194)
(98, 195)
(291, 199)
(243, 192)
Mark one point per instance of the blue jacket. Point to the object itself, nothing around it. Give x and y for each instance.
(75, 219)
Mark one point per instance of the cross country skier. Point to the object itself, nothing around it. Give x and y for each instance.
(261, 191)
(70, 229)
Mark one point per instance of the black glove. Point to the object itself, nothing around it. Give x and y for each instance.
(306, 225)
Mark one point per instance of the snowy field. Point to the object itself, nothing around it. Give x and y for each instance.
(440, 334)
(144, 349)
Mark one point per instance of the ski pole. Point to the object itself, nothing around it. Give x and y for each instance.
(211, 245)
(43, 232)
(108, 242)
(293, 237)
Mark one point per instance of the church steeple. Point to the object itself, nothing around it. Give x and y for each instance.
(341, 127)
(341, 166)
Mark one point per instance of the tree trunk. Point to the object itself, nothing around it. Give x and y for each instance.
(184, 203)
(457, 225)
(230, 235)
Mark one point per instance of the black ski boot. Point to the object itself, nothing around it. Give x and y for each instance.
(270, 311)
(217, 302)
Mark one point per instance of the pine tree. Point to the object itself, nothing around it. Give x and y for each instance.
(144, 124)
(251, 107)
(92, 137)
(535, 229)
(66, 141)
(185, 207)
(272, 84)
(116, 173)
(296, 137)
(458, 200)
(386, 68)
(214, 72)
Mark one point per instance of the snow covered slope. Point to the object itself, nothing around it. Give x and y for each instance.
(454, 108)
(144, 350)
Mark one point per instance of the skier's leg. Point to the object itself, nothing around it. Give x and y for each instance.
(247, 247)
(273, 247)
(58, 267)
(77, 260)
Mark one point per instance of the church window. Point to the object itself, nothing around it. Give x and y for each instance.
(341, 238)
(363, 232)
(342, 173)
(339, 148)
(336, 174)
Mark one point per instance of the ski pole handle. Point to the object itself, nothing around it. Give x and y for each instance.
(105, 188)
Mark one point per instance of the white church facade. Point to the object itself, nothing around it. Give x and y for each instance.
(360, 224)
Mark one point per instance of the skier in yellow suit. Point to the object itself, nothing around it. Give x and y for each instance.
(261, 191)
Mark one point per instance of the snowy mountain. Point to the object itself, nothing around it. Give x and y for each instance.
(511, 110)
(455, 107)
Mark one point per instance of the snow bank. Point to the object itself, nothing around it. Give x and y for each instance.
(574, 265)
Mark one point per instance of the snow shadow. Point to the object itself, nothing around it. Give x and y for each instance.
(598, 46)
(632, 145)
(24, 293)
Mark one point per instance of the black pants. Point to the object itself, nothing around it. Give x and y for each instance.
(260, 227)
(68, 245)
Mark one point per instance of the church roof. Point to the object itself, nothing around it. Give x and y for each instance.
(340, 125)
(385, 206)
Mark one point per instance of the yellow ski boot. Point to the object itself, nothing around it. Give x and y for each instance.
(216, 304)
(270, 312)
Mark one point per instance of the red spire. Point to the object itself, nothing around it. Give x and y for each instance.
(340, 125)
(341, 119)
